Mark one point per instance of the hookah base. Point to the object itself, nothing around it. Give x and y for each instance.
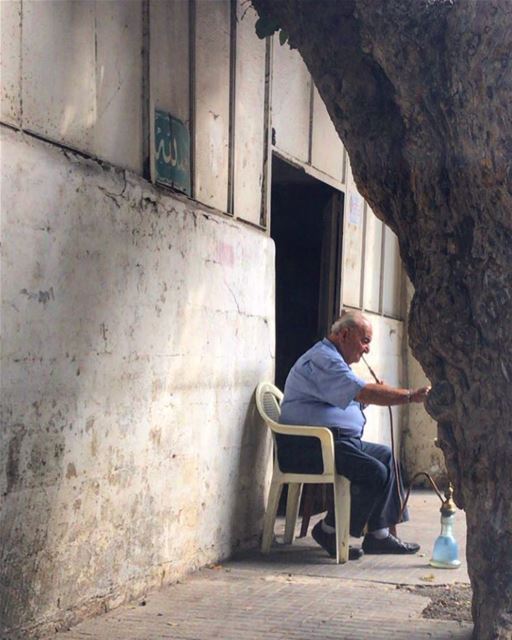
(438, 564)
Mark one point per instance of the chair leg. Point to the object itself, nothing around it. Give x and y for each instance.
(292, 510)
(307, 508)
(270, 516)
(342, 513)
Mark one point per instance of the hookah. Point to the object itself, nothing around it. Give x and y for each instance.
(445, 554)
(446, 550)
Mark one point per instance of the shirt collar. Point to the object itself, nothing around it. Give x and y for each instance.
(332, 346)
(329, 344)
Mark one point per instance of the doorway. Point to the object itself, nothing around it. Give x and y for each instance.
(307, 227)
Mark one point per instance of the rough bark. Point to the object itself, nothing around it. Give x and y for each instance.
(420, 94)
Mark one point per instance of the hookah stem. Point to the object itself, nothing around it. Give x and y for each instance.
(398, 474)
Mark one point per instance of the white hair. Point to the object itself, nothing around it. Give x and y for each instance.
(348, 320)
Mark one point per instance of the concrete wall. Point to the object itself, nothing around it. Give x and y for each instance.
(135, 329)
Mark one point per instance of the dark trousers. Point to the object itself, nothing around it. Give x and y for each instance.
(374, 492)
(368, 466)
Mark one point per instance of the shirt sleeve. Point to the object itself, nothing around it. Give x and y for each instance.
(334, 381)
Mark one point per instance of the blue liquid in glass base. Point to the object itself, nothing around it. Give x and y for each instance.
(446, 550)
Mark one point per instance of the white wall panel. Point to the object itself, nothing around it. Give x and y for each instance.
(169, 57)
(392, 281)
(82, 76)
(212, 67)
(58, 81)
(249, 117)
(327, 149)
(118, 127)
(372, 262)
(353, 226)
(419, 451)
(386, 359)
(10, 57)
(291, 90)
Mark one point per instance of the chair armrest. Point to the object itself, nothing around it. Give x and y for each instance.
(322, 433)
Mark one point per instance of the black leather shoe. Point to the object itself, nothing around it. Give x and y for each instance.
(328, 542)
(391, 544)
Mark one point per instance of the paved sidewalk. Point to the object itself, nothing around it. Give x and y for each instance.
(297, 592)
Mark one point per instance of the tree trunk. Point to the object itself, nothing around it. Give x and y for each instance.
(420, 94)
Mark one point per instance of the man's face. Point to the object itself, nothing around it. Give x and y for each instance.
(355, 341)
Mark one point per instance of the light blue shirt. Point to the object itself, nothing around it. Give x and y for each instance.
(320, 391)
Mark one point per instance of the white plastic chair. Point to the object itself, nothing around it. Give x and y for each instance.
(268, 399)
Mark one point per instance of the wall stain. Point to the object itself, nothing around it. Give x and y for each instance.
(13, 457)
(40, 296)
(155, 436)
(94, 445)
(71, 471)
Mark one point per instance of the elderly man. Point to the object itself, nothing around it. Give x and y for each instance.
(321, 389)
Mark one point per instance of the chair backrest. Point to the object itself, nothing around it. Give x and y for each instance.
(268, 401)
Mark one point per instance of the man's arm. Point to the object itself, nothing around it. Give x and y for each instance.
(385, 395)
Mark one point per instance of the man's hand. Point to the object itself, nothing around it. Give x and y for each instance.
(419, 395)
(385, 395)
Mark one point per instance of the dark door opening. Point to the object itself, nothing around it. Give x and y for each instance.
(306, 225)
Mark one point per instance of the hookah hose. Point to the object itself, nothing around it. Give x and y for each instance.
(396, 466)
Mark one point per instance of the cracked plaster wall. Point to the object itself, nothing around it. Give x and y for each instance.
(135, 327)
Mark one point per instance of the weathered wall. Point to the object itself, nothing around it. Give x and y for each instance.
(136, 327)
(420, 431)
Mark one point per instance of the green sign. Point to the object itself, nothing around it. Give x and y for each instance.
(172, 152)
